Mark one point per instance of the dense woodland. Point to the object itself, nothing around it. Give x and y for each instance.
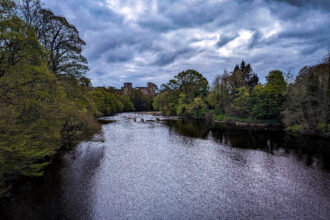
(46, 102)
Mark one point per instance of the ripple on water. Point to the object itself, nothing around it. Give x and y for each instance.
(156, 169)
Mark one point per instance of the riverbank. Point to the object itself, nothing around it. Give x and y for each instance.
(6, 185)
(180, 169)
(257, 126)
(11, 182)
(298, 130)
(270, 125)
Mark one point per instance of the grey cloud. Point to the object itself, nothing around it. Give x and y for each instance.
(157, 46)
(166, 58)
(225, 39)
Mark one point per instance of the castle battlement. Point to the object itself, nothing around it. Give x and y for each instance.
(149, 90)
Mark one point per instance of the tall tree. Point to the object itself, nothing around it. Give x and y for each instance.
(268, 100)
(60, 38)
(191, 83)
(29, 10)
(6, 8)
(250, 78)
(327, 99)
(311, 103)
(17, 42)
(219, 95)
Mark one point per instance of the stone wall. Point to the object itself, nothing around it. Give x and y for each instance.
(149, 91)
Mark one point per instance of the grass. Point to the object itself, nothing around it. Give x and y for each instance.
(223, 117)
(219, 117)
(324, 126)
(322, 129)
(295, 128)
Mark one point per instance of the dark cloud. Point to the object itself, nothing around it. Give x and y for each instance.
(321, 4)
(165, 58)
(225, 39)
(152, 40)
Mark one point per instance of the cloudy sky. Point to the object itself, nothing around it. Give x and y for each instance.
(153, 40)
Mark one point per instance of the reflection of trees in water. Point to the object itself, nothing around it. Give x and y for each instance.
(60, 193)
(311, 150)
(190, 128)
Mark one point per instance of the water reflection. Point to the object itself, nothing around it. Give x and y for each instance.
(157, 168)
(314, 151)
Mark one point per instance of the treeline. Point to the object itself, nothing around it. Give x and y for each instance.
(300, 104)
(46, 102)
(109, 101)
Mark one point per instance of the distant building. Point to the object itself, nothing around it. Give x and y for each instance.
(126, 89)
(149, 91)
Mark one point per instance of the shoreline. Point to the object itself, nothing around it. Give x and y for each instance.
(256, 126)
(271, 127)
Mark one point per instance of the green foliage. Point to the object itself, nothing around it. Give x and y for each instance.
(219, 117)
(140, 101)
(276, 82)
(245, 72)
(106, 103)
(184, 95)
(241, 105)
(128, 105)
(219, 96)
(183, 103)
(191, 83)
(40, 112)
(162, 103)
(268, 100)
(197, 109)
(306, 103)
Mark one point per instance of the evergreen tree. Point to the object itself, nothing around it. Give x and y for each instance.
(251, 79)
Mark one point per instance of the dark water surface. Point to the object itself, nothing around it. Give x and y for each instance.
(173, 169)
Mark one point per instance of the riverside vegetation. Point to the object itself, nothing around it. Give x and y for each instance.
(47, 103)
(300, 105)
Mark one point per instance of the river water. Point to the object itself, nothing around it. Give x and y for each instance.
(174, 169)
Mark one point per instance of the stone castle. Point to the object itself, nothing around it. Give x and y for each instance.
(149, 91)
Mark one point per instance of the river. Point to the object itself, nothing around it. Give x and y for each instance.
(175, 169)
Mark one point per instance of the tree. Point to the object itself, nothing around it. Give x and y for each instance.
(28, 98)
(327, 98)
(60, 38)
(28, 11)
(269, 103)
(311, 102)
(140, 101)
(181, 91)
(18, 44)
(275, 81)
(219, 95)
(241, 105)
(86, 82)
(40, 111)
(128, 104)
(236, 80)
(191, 83)
(305, 105)
(6, 8)
(250, 78)
(183, 104)
(197, 109)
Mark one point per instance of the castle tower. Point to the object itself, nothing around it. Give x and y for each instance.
(151, 89)
(126, 90)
